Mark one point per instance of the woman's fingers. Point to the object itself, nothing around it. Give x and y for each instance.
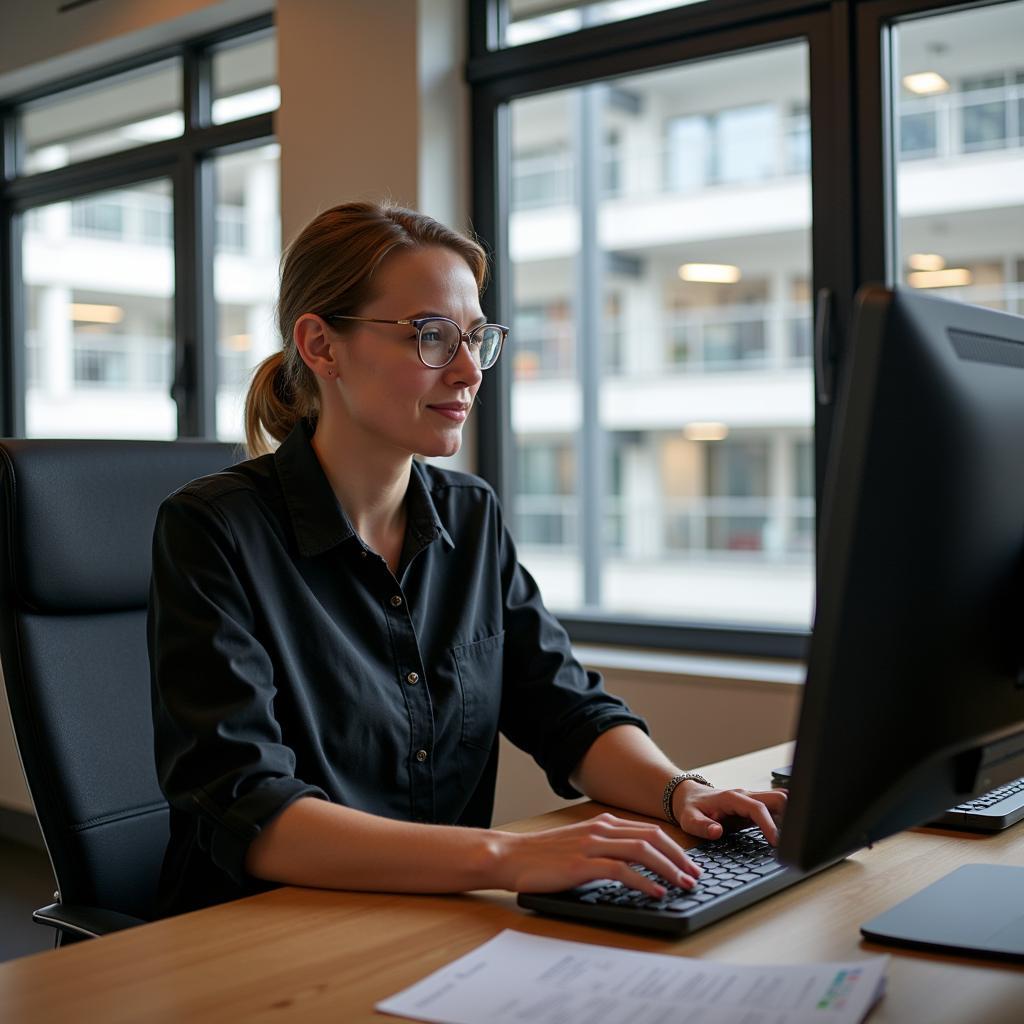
(620, 871)
(697, 823)
(601, 847)
(654, 835)
(701, 816)
(639, 851)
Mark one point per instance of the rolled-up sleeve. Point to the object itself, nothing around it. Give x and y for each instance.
(552, 707)
(219, 750)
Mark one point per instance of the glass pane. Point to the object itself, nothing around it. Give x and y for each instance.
(530, 20)
(680, 483)
(959, 115)
(99, 294)
(110, 115)
(245, 78)
(244, 275)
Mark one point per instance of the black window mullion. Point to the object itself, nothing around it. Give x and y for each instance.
(158, 159)
(490, 145)
(8, 387)
(195, 385)
(197, 82)
(835, 214)
(194, 388)
(12, 325)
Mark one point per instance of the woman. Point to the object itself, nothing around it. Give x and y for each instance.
(338, 632)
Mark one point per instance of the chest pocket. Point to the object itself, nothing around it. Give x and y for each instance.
(479, 667)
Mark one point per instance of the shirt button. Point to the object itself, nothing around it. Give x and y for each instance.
(396, 601)
(362, 552)
(421, 756)
(412, 678)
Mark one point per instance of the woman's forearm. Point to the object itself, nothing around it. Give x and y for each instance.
(624, 767)
(316, 843)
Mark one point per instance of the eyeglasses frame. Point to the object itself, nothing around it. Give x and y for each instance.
(419, 322)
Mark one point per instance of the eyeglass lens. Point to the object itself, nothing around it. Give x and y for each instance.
(439, 340)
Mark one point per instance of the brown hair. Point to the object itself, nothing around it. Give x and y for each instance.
(329, 268)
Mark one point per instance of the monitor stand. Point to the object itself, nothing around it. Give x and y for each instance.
(976, 910)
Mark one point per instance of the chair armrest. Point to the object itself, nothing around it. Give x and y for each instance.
(84, 922)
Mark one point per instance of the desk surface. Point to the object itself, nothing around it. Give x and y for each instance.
(314, 955)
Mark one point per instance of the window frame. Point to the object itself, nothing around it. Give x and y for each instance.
(716, 27)
(854, 231)
(187, 162)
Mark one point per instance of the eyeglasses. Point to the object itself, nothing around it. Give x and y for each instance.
(438, 339)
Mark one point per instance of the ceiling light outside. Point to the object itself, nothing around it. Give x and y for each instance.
(926, 261)
(92, 313)
(705, 431)
(952, 277)
(710, 273)
(925, 83)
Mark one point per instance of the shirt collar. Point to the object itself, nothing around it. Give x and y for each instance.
(421, 510)
(318, 519)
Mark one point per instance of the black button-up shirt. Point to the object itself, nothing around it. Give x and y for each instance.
(288, 661)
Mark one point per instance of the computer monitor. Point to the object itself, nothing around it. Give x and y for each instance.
(914, 699)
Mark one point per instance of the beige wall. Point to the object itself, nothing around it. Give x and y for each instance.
(695, 721)
(13, 793)
(348, 123)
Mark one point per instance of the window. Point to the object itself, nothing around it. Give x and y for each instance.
(530, 20)
(98, 339)
(702, 178)
(140, 310)
(122, 112)
(660, 354)
(245, 77)
(960, 187)
(245, 275)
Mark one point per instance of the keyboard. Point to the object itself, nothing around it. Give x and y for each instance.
(993, 811)
(738, 869)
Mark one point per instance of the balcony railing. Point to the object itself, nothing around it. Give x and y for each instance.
(115, 362)
(705, 340)
(734, 338)
(142, 218)
(950, 124)
(955, 123)
(758, 528)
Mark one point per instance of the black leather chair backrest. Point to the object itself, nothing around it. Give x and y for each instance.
(76, 526)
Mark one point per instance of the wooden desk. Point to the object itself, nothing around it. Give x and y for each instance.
(300, 954)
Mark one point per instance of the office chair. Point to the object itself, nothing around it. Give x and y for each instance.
(76, 527)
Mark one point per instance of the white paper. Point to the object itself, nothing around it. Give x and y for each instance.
(525, 979)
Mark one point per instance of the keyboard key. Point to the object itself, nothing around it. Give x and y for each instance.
(683, 904)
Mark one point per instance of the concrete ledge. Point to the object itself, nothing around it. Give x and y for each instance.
(704, 667)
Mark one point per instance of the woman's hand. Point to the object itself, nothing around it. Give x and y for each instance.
(601, 847)
(701, 809)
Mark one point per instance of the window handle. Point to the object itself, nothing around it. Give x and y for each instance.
(825, 348)
(183, 374)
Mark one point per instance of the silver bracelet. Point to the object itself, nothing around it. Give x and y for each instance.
(666, 797)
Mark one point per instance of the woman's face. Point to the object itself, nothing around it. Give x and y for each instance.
(386, 392)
